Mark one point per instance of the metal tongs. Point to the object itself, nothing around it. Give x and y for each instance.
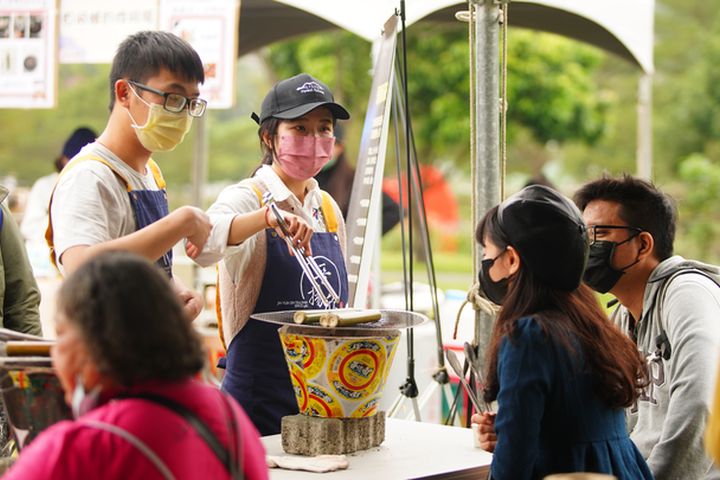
(307, 263)
(475, 397)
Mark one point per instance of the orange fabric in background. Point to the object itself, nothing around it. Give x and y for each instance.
(441, 205)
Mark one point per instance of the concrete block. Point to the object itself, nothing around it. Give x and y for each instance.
(306, 435)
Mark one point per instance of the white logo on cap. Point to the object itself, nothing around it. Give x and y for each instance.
(309, 87)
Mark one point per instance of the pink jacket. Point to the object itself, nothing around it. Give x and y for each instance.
(70, 450)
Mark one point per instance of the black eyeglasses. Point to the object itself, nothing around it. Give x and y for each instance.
(176, 103)
(593, 231)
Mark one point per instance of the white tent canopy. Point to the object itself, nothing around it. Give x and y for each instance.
(624, 27)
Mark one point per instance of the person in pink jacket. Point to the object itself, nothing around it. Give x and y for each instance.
(127, 359)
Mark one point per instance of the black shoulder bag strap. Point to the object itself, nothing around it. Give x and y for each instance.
(195, 422)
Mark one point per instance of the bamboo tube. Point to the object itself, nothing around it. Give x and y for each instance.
(301, 317)
(23, 348)
(344, 319)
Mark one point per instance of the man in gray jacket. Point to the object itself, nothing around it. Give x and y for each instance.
(670, 306)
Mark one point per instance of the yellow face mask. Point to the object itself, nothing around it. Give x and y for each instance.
(163, 130)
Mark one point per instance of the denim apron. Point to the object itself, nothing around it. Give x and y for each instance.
(256, 374)
(148, 206)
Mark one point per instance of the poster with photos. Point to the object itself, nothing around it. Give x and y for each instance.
(28, 53)
(211, 27)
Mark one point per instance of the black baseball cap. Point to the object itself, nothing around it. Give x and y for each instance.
(295, 96)
(549, 233)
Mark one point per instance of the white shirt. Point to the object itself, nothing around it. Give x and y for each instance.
(91, 204)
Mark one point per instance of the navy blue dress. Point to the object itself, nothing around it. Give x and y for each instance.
(550, 420)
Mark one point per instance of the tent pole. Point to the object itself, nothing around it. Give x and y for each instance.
(644, 127)
(199, 171)
(486, 130)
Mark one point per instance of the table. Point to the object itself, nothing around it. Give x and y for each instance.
(411, 450)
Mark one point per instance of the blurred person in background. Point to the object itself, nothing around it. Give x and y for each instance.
(337, 177)
(19, 293)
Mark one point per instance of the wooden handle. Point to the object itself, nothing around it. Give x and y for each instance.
(28, 349)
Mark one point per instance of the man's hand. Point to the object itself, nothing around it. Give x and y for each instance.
(191, 300)
(196, 225)
(486, 430)
(191, 250)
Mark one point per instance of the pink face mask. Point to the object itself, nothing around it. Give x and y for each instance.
(302, 157)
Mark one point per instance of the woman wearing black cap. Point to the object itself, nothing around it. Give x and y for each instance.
(257, 272)
(559, 371)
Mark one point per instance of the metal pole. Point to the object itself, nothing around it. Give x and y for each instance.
(486, 171)
(199, 176)
(199, 161)
(644, 127)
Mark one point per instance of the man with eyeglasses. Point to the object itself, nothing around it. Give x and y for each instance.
(669, 306)
(111, 195)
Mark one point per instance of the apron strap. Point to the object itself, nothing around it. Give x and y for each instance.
(258, 192)
(157, 174)
(85, 158)
(326, 207)
(328, 212)
(218, 307)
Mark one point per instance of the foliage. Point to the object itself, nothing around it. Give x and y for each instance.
(687, 82)
(551, 89)
(698, 212)
(31, 139)
(339, 59)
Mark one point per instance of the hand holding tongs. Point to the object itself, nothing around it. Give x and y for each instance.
(307, 263)
(471, 358)
(455, 364)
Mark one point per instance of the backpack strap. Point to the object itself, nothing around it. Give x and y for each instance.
(662, 342)
(141, 446)
(200, 427)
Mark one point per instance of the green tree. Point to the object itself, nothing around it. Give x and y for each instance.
(552, 93)
(699, 215)
(31, 139)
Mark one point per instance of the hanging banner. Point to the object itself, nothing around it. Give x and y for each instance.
(91, 30)
(28, 60)
(211, 27)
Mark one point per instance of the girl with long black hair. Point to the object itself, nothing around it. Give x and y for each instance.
(560, 372)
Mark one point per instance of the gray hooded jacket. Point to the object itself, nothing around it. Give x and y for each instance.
(679, 335)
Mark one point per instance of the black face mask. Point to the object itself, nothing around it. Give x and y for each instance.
(494, 291)
(599, 273)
